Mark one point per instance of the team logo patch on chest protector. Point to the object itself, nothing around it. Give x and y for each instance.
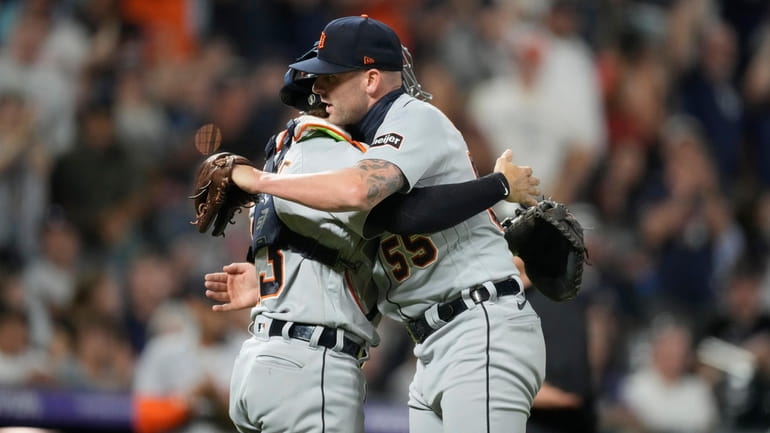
(391, 139)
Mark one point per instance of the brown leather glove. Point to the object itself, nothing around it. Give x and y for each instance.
(216, 197)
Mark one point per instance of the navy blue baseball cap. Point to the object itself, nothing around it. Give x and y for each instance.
(354, 43)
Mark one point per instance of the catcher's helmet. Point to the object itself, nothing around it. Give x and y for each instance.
(297, 90)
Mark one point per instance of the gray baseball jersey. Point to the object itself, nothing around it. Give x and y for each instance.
(297, 289)
(325, 387)
(481, 371)
(420, 270)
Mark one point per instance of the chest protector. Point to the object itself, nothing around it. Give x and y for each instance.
(266, 227)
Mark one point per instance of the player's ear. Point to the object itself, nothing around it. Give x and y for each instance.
(373, 80)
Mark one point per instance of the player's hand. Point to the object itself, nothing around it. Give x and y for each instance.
(523, 186)
(551, 397)
(246, 177)
(236, 288)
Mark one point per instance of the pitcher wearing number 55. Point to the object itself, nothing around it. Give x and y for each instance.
(479, 344)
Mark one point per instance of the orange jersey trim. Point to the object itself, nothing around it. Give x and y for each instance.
(352, 290)
(262, 277)
(279, 140)
(358, 145)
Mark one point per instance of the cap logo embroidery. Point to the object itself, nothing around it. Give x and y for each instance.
(322, 40)
(368, 60)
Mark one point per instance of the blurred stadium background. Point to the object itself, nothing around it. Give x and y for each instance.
(650, 118)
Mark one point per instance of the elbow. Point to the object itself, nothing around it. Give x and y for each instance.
(358, 198)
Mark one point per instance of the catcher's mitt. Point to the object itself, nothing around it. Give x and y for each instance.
(216, 197)
(550, 241)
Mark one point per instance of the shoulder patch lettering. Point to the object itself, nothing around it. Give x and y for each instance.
(392, 139)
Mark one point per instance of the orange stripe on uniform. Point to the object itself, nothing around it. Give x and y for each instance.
(352, 290)
(279, 140)
(298, 133)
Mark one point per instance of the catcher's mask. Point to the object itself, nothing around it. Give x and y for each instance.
(409, 80)
(297, 90)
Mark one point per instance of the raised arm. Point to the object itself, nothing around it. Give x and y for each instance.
(370, 181)
(435, 208)
(358, 188)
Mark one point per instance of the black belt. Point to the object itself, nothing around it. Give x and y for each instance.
(419, 329)
(328, 338)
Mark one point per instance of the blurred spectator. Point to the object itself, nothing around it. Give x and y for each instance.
(64, 47)
(24, 166)
(187, 91)
(565, 403)
(742, 322)
(246, 109)
(465, 39)
(747, 18)
(140, 121)
(97, 293)
(61, 350)
(569, 65)
(686, 23)
(707, 93)
(113, 43)
(275, 28)
(687, 224)
(194, 364)
(610, 216)
(616, 188)
(103, 360)
(21, 363)
(151, 281)
(756, 90)
(169, 27)
(45, 85)
(634, 79)
(49, 280)
(96, 182)
(547, 111)
(663, 395)
(761, 219)
(12, 294)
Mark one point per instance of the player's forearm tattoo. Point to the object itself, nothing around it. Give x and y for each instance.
(382, 177)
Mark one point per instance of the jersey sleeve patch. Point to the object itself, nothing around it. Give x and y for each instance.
(391, 139)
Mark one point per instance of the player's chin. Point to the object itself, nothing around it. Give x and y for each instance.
(335, 117)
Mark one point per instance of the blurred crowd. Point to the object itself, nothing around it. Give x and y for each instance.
(650, 118)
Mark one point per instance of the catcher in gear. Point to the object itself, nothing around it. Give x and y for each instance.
(549, 239)
(216, 197)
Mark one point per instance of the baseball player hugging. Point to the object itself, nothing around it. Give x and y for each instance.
(319, 273)
(479, 344)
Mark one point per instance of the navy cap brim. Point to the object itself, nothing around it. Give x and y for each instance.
(320, 67)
